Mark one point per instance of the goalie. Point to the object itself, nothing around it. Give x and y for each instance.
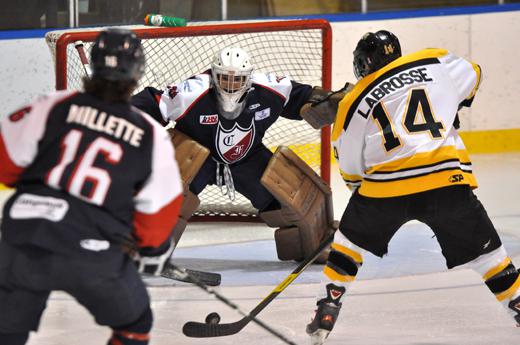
(220, 118)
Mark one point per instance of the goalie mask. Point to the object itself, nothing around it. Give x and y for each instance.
(231, 72)
(374, 51)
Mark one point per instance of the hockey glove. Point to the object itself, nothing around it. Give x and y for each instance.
(322, 105)
(152, 260)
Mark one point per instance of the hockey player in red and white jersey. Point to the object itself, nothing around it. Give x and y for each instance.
(95, 178)
(395, 138)
(228, 110)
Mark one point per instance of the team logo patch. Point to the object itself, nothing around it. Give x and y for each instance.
(233, 144)
(172, 91)
(456, 178)
(279, 78)
(208, 119)
(31, 206)
(262, 114)
(94, 245)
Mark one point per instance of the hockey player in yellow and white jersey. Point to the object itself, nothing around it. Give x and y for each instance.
(395, 138)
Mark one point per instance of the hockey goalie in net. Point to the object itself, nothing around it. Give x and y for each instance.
(221, 116)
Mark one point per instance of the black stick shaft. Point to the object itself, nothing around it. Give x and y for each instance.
(203, 330)
(231, 304)
(291, 277)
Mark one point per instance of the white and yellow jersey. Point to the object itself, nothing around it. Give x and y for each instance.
(394, 132)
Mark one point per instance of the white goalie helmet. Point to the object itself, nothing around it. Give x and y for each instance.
(231, 72)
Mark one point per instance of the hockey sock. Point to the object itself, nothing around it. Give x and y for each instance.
(504, 282)
(502, 279)
(136, 333)
(342, 265)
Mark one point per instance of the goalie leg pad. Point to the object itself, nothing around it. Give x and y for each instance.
(281, 218)
(306, 203)
(189, 206)
(288, 244)
(190, 155)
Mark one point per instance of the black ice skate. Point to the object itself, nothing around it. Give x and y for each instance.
(326, 315)
(514, 305)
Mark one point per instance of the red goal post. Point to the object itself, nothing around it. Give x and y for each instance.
(300, 49)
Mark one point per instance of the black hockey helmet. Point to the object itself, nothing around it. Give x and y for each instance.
(117, 55)
(374, 51)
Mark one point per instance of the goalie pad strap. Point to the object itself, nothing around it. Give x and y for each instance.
(190, 155)
(306, 201)
(279, 218)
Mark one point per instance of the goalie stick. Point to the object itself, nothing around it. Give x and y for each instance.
(214, 329)
(213, 318)
(208, 278)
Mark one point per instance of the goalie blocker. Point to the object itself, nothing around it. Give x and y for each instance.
(306, 216)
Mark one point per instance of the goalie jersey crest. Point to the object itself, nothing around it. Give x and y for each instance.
(233, 144)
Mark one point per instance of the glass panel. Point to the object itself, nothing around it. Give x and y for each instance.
(33, 14)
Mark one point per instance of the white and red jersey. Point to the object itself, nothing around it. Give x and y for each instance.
(395, 131)
(177, 100)
(87, 174)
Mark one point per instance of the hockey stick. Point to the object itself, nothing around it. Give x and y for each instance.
(80, 47)
(170, 271)
(209, 278)
(214, 329)
(213, 319)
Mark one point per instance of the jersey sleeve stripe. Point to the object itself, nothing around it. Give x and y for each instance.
(152, 230)
(478, 71)
(10, 171)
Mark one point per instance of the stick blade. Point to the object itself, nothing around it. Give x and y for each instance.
(208, 278)
(204, 330)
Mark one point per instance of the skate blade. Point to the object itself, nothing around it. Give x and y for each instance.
(318, 337)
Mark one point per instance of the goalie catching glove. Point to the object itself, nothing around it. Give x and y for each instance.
(322, 106)
(152, 260)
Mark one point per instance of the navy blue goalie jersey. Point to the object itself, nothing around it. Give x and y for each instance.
(192, 105)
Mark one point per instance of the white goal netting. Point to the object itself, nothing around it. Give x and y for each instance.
(300, 49)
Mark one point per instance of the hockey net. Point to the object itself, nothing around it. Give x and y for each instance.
(300, 49)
